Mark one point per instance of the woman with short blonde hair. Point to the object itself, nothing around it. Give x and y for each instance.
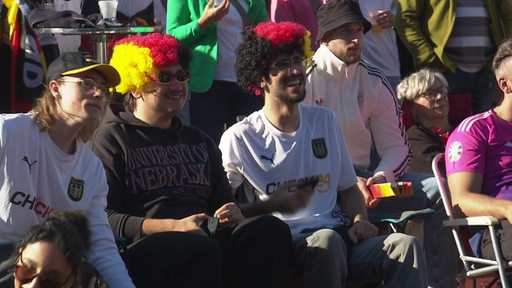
(427, 94)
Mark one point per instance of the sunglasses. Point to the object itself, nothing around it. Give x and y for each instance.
(167, 77)
(88, 85)
(24, 274)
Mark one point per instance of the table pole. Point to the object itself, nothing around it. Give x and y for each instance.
(100, 47)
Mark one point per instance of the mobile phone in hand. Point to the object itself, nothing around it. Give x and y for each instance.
(210, 226)
(217, 2)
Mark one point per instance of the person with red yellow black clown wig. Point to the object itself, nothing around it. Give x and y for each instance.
(169, 195)
(268, 42)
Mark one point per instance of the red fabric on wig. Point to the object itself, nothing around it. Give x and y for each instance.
(280, 33)
(163, 47)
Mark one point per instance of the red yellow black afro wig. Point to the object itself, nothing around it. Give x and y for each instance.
(285, 33)
(264, 42)
(140, 56)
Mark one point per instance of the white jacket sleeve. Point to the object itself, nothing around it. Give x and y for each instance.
(388, 134)
(104, 255)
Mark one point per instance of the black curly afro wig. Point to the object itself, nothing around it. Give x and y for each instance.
(262, 44)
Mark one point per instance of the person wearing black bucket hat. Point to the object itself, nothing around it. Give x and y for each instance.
(335, 13)
(359, 94)
(369, 115)
(48, 169)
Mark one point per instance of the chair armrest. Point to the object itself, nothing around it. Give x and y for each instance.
(472, 221)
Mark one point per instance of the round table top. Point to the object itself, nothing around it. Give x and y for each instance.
(100, 30)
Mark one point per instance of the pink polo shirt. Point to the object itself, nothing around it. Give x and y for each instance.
(482, 143)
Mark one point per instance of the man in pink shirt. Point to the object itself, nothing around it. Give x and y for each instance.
(479, 159)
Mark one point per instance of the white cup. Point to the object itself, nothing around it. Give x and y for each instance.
(108, 8)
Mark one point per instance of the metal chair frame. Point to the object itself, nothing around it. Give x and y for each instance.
(473, 266)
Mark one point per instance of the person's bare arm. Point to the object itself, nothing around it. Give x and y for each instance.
(188, 224)
(467, 199)
(352, 203)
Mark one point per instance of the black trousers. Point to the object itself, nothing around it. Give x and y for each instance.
(256, 253)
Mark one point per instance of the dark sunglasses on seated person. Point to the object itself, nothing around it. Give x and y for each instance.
(24, 274)
(167, 77)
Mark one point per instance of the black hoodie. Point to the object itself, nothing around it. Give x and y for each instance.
(157, 173)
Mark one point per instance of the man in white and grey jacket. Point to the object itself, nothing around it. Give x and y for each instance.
(368, 113)
(359, 94)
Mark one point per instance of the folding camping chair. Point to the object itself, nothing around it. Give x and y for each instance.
(473, 266)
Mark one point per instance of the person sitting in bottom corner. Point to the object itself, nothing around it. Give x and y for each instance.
(52, 254)
(277, 151)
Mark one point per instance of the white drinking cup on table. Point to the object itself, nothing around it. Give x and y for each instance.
(108, 10)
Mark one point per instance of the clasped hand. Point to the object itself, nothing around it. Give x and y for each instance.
(229, 215)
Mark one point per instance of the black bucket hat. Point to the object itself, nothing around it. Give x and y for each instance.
(335, 13)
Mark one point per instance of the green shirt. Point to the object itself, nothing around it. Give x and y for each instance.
(182, 16)
(424, 26)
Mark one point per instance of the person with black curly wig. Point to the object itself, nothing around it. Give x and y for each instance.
(292, 161)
